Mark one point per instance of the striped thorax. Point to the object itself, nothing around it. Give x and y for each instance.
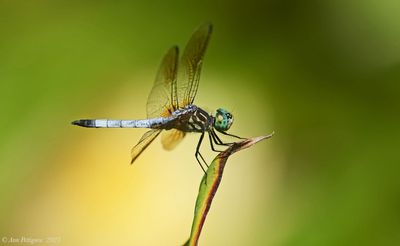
(191, 119)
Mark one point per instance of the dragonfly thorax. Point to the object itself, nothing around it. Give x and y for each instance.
(190, 119)
(222, 120)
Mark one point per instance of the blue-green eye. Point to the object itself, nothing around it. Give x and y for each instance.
(223, 120)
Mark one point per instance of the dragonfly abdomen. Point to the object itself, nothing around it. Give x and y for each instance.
(105, 123)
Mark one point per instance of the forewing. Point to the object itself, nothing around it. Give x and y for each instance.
(171, 138)
(162, 99)
(146, 139)
(191, 63)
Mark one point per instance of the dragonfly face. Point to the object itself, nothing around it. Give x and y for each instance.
(223, 120)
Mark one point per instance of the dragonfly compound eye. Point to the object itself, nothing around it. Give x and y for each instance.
(223, 120)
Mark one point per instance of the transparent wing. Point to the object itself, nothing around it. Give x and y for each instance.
(190, 64)
(171, 138)
(163, 99)
(146, 139)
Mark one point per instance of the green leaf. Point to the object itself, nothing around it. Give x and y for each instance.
(210, 183)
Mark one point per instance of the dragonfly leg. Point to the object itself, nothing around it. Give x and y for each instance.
(202, 158)
(231, 135)
(212, 140)
(197, 154)
(217, 140)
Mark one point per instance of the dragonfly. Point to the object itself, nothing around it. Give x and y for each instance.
(170, 104)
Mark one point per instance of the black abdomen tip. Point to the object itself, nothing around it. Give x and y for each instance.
(84, 123)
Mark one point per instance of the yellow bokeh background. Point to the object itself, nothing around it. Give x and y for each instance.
(323, 76)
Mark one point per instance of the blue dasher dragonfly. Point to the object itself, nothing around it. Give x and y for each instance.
(170, 103)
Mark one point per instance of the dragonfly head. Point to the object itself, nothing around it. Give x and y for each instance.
(223, 120)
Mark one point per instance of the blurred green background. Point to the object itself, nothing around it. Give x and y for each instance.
(324, 75)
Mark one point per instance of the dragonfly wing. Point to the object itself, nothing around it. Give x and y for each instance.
(163, 99)
(191, 63)
(146, 139)
(171, 138)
